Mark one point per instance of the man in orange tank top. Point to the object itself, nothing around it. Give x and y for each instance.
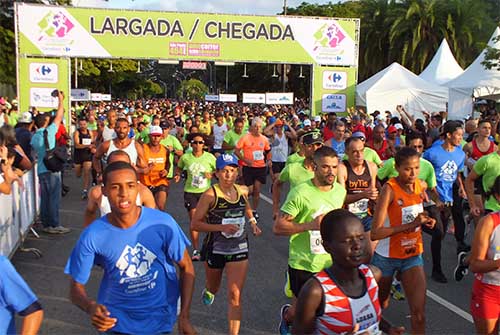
(400, 244)
(154, 175)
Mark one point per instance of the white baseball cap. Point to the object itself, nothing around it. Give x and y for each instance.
(155, 130)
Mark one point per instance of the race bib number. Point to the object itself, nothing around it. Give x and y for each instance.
(410, 213)
(315, 242)
(358, 207)
(372, 330)
(237, 221)
(86, 141)
(258, 155)
(497, 256)
(199, 182)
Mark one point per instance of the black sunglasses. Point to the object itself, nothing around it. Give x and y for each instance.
(197, 142)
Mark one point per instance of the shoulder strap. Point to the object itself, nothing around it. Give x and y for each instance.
(46, 140)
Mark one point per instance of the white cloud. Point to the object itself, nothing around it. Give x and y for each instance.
(254, 7)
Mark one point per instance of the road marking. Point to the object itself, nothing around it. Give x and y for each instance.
(266, 199)
(455, 309)
(443, 302)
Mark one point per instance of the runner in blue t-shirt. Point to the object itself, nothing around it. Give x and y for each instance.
(448, 160)
(137, 248)
(17, 297)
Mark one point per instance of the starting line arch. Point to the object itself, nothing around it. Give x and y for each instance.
(48, 36)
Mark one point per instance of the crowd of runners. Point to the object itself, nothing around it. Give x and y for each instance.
(361, 190)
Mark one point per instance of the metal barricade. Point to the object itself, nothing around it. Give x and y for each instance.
(18, 213)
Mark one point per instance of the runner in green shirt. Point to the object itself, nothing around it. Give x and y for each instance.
(300, 219)
(297, 157)
(233, 136)
(487, 167)
(297, 173)
(427, 173)
(172, 144)
(199, 166)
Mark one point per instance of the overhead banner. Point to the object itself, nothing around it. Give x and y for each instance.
(40, 77)
(211, 97)
(334, 89)
(279, 98)
(228, 97)
(80, 94)
(92, 32)
(254, 98)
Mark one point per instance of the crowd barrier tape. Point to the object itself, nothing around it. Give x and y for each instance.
(18, 212)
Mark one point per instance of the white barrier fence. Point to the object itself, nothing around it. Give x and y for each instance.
(18, 212)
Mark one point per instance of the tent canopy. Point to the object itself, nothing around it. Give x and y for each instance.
(395, 85)
(443, 66)
(476, 81)
(476, 75)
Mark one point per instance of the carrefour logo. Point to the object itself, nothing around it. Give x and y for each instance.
(43, 73)
(334, 80)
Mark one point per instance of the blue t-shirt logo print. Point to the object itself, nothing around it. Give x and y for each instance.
(135, 261)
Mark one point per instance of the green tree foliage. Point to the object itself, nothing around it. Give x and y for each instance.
(492, 57)
(410, 31)
(192, 89)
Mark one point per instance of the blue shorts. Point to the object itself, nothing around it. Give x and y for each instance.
(389, 266)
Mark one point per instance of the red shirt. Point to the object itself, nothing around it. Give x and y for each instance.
(327, 133)
(61, 136)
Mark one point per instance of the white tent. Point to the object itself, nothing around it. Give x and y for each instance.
(476, 81)
(443, 66)
(395, 85)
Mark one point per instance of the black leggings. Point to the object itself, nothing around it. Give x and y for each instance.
(438, 233)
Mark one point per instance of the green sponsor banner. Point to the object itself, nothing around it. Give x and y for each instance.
(86, 32)
(334, 89)
(38, 77)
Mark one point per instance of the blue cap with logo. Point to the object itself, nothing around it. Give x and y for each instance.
(225, 160)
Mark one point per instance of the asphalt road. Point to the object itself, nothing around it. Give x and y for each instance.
(446, 313)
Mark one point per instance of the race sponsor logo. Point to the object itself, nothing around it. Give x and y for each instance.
(334, 80)
(43, 73)
(333, 103)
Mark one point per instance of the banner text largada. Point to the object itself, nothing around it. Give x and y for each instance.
(212, 29)
(108, 33)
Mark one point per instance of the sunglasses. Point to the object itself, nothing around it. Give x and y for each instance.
(197, 142)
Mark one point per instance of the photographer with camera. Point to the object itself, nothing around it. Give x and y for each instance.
(49, 173)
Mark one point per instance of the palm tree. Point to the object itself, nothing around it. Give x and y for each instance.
(466, 25)
(417, 31)
(374, 37)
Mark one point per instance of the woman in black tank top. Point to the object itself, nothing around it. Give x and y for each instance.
(84, 148)
(221, 214)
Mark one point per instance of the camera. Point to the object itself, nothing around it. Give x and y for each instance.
(55, 93)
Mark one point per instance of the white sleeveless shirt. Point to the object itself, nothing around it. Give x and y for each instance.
(130, 150)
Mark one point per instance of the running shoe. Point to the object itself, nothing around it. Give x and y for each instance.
(62, 230)
(196, 256)
(50, 230)
(438, 276)
(461, 270)
(85, 195)
(284, 327)
(397, 291)
(207, 298)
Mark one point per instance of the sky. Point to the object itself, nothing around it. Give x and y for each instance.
(255, 7)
